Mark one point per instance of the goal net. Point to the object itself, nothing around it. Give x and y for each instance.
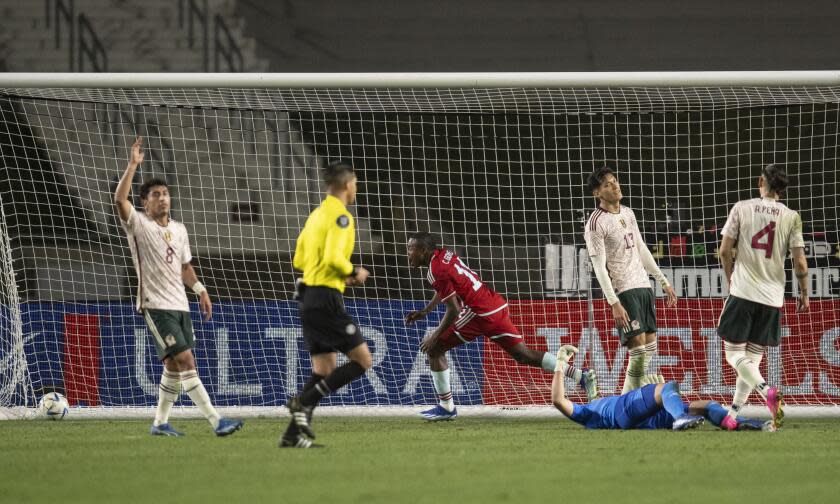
(498, 172)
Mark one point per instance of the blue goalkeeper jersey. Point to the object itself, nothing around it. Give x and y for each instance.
(636, 409)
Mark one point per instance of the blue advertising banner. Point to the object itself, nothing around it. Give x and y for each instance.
(250, 353)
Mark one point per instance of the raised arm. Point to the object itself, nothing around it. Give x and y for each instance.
(558, 383)
(124, 187)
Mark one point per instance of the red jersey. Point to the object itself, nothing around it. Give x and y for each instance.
(449, 276)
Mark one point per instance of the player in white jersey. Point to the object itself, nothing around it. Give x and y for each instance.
(764, 230)
(622, 263)
(161, 252)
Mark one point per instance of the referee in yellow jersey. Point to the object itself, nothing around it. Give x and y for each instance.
(323, 255)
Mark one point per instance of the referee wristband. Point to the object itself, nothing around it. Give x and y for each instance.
(198, 288)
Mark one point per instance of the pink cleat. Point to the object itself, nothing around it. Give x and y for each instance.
(775, 402)
(729, 423)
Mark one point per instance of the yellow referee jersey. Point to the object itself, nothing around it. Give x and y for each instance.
(325, 245)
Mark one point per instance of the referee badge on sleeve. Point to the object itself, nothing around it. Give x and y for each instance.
(343, 221)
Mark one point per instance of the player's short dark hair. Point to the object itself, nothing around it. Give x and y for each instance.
(597, 177)
(338, 173)
(776, 177)
(147, 186)
(426, 239)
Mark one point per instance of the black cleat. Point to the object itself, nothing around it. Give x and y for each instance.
(301, 415)
(297, 442)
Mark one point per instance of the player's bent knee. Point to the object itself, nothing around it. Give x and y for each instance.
(524, 355)
(734, 359)
(185, 360)
(366, 362)
(361, 356)
(436, 353)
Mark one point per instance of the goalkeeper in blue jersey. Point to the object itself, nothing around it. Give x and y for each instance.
(657, 405)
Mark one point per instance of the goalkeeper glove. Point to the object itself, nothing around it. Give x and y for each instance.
(566, 352)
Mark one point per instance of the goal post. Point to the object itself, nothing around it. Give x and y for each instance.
(495, 164)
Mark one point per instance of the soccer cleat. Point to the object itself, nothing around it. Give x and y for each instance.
(164, 430)
(687, 422)
(439, 413)
(752, 424)
(768, 426)
(589, 382)
(729, 423)
(301, 415)
(228, 426)
(775, 403)
(297, 442)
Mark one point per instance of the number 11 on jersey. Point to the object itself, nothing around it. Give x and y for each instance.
(464, 270)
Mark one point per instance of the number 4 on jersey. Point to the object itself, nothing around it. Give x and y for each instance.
(770, 232)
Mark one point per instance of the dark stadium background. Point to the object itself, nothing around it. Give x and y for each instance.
(530, 185)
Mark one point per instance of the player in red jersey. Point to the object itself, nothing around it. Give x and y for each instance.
(473, 309)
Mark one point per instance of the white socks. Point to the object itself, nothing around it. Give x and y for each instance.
(635, 369)
(168, 392)
(745, 358)
(650, 351)
(569, 371)
(549, 362)
(195, 389)
(444, 391)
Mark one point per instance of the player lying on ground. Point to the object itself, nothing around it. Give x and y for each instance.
(653, 406)
(473, 309)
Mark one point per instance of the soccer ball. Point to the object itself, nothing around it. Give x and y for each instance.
(54, 405)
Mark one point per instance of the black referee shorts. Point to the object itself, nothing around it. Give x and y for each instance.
(326, 325)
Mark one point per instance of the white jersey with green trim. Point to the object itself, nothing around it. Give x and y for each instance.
(765, 230)
(159, 253)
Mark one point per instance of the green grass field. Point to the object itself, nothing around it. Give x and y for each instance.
(408, 460)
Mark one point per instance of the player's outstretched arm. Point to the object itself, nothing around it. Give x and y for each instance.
(414, 316)
(124, 187)
(800, 269)
(558, 383)
(190, 279)
(430, 341)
